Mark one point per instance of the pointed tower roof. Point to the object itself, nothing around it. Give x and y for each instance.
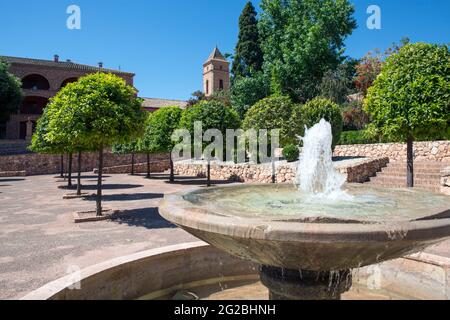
(216, 55)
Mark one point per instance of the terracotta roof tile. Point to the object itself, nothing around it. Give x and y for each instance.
(60, 64)
(154, 103)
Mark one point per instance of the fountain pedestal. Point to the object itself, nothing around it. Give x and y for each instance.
(285, 284)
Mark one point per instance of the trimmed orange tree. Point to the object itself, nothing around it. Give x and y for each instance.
(96, 112)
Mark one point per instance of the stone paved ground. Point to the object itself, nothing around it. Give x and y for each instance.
(39, 241)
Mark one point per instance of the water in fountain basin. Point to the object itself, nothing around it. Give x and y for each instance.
(320, 193)
(316, 174)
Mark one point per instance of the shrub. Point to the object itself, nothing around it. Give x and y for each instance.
(317, 109)
(410, 98)
(356, 137)
(354, 116)
(246, 91)
(275, 112)
(291, 153)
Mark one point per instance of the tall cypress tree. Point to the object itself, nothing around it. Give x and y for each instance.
(248, 56)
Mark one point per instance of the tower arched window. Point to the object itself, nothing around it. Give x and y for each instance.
(207, 86)
(221, 84)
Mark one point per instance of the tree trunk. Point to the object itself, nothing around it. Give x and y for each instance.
(79, 175)
(69, 183)
(410, 162)
(208, 175)
(132, 164)
(172, 175)
(149, 174)
(99, 183)
(62, 166)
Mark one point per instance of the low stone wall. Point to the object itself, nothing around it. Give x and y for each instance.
(363, 171)
(155, 166)
(356, 171)
(445, 181)
(423, 151)
(37, 164)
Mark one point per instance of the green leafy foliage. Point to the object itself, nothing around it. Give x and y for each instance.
(126, 148)
(301, 40)
(318, 109)
(291, 153)
(10, 92)
(246, 91)
(159, 129)
(212, 115)
(98, 110)
(338, 84)
(356, 137)
(411, 96)
(275, 112)
(40, 143)
(354, 116)
(248, 56)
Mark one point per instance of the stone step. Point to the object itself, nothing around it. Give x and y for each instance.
(421, 165)
(401, 180)
(392, 185)
(388, 174)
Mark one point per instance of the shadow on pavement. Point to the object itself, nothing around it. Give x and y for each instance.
(146, 217)
(104, 187)
(12, 180)
(128, 197)
(75, 175)
(200, 182)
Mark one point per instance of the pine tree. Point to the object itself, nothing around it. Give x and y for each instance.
(248, 55)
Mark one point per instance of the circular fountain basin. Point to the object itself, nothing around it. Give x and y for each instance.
(276, 225)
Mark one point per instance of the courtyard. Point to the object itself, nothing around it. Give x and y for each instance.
(41, 242)
(306, 165)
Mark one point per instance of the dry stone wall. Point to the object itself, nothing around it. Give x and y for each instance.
(356, 171)
(423, 151)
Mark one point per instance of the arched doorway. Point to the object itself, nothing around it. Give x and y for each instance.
(35, 82)
(67, 81)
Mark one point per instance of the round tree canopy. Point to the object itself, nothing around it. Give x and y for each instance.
(159, 129)
(275, 112)
(411, 96)
(317, 109)
(98, 110)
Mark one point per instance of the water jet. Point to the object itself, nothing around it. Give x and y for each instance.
(308, 237)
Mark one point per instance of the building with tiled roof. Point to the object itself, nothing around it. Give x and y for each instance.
(153, 104)
(66, 65)
(42, 79)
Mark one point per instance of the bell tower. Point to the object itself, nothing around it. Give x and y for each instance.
(216, 73)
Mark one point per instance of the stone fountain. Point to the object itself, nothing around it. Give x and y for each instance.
(308, 237)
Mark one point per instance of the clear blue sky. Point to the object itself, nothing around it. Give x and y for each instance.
(166, 42)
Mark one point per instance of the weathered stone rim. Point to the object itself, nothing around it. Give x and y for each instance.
(186, 215)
